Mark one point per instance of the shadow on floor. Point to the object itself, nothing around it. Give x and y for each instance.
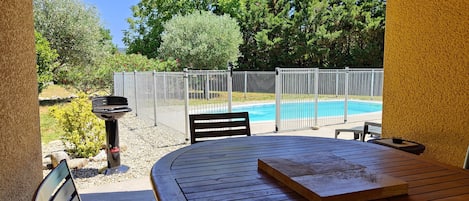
(145, 195)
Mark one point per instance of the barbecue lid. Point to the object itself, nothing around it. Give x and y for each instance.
(110, 107)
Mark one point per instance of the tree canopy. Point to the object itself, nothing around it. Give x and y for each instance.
(201, 40)
(74, 30)
(46, 61)
(302, 33)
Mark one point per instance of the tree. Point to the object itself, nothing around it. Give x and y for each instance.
(75, 31)
(201, 40)
(45, 61)
(302, 33)
(102, 76)
(146, 26)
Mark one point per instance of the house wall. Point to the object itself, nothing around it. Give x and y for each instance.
(426, 82)
(20, 140)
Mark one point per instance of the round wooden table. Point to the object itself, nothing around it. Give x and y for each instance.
(228, 169)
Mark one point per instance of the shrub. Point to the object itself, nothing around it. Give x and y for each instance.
(84, 132)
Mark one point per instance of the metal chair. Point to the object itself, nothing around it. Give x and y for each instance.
(58, 185)
(218, 125)
(372, 128)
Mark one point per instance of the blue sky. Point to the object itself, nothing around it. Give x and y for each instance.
(114, 14)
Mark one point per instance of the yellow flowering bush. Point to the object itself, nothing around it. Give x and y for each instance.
(84, 131)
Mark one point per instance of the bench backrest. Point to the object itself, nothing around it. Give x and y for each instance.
(218, 125)
(58, 185)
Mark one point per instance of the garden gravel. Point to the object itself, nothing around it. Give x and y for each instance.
(145, 144)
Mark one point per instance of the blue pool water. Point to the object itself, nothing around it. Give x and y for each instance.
(266, 112)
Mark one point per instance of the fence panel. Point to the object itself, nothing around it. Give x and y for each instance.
(301, 94)
(208, 91)
(145, 95)
(295, 100)
(118, 86)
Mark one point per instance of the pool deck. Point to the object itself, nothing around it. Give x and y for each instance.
(140, 189)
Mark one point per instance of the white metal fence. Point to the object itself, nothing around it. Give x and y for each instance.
(299, 91)
(168, 97)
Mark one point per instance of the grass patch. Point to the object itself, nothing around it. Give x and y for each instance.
(56, 91)
(50, 130)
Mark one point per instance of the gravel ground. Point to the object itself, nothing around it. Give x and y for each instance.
(145, 145)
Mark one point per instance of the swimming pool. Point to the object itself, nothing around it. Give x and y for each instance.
(297, 110)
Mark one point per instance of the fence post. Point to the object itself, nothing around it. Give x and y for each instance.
(230, 86)
(372, 83)
(207, 85)
(346, 94)
(316, 95)
(135, 93)
(186, 102)
(278, 91)
(337, 83)
(123, 83)
(114, 92)
(245, 83)
(154, 96)
(164, 85)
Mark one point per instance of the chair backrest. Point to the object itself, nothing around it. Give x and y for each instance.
(218, 125)
(372, 128)
(466, 161)
(58, 185)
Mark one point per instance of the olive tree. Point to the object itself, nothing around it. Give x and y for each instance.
(74, 30)
(46, 58)
(201, 40)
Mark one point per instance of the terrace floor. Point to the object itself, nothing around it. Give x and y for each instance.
(140, 189)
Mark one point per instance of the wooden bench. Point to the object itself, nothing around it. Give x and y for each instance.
(372, 128)
(219, 125)
(58, 185)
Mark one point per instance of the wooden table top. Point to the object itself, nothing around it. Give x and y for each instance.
(228, 169)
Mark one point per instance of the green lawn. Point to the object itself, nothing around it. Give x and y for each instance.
(50, 130)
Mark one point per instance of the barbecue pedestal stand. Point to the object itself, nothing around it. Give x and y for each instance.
(110, 108)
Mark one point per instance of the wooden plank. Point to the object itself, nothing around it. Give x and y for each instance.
(436, 180)
(328, 177)
(464, 197)
(227, 169)
(452, 192)
(439, 186)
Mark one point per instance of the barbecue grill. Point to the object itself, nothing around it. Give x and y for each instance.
(111, 108)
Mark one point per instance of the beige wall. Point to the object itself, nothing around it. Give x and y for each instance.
(20, 142)
(426, 66)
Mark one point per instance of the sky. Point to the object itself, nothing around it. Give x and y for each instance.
(114, 14)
